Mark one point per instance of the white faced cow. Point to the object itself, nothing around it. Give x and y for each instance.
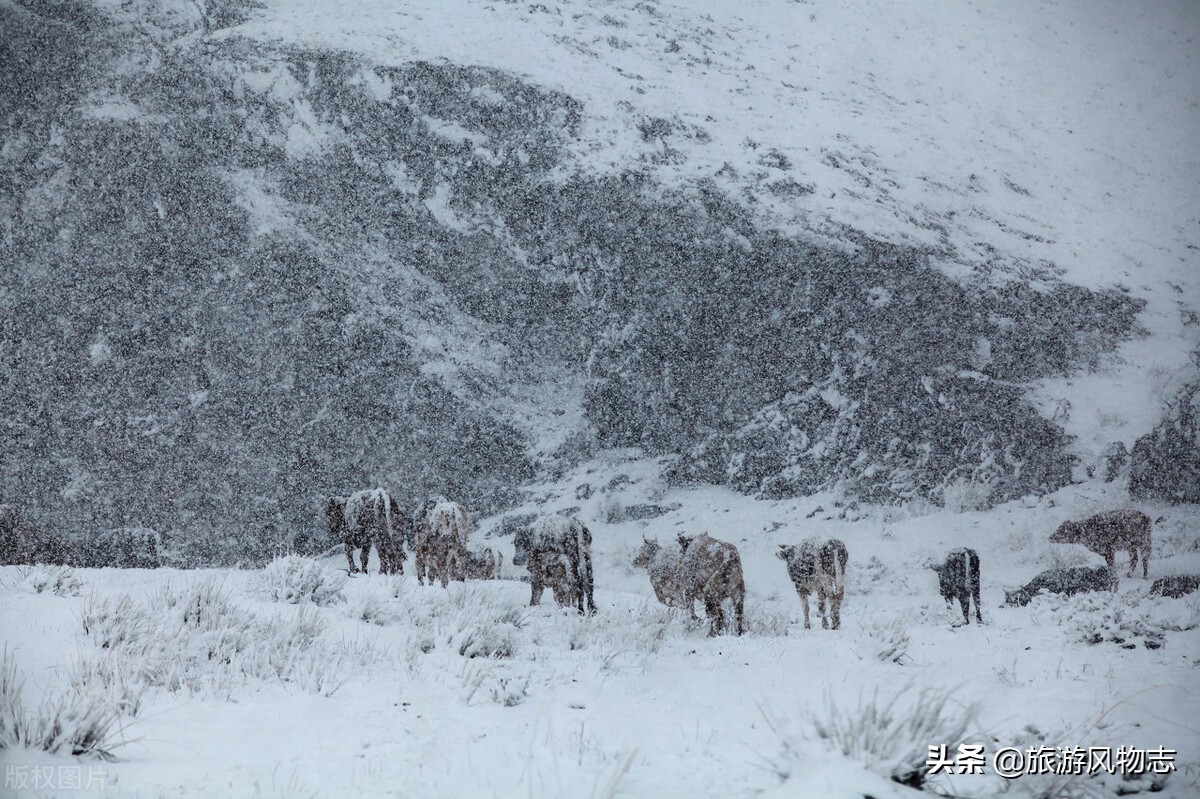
(958, 578)
(557, 535)
(1105, 533)
(818, 566)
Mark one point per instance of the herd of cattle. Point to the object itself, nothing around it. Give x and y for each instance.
(556, 550)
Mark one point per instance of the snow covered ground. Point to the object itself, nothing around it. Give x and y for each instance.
(391, 688)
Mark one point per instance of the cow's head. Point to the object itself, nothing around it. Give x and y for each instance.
(945, 580)
(685, 541)
(1067, 533)
(646, 555)
(787, 552)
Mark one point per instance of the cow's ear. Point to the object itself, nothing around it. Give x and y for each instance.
(783, 546)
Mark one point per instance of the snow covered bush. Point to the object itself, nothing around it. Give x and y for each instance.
(81, 723)
(885, 639)
(890, 738)
(58, 580)
(296, 579)
(1124, 619)
(197, 639)
(966, 494)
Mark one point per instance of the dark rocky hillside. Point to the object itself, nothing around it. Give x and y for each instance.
(225, 261)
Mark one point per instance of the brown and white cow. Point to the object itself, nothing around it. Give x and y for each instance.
(663, 565)
(711, 571)
(557, 535)
(818, 566)
(1105, 533)
(364, 518)
(440, 541)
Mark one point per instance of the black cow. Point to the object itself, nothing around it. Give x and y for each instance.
(1068, 582)
(558, 534)
(958, 578)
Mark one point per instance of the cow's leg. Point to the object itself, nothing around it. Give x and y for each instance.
(964, 602)
(1146, 562)
(588, 582)
(739, 610)
(713, 611)
(975, 596)
(1110, 557)
(1133, 559)
(350, 558)
(821, 608)
(535, 582)
(419, 564)
(835, 610)
(804, 604)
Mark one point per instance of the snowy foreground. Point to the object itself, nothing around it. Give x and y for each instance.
(221, 686)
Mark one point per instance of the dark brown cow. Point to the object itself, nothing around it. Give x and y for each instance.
(364, 518)
(561, 536)
(1105, 533)
(818, 566)
(711, 571)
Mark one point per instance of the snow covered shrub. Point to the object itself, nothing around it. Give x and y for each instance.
(297, 579)
(885, 639)
(77, 723)
(1123, 619)
(891, 739)
(374, 608)
(109, 675)
(964, 494)
(763, 620)
(58, 580)
(197, 639)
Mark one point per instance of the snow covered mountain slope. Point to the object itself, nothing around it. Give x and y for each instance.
(290, 248)
(1014, 141)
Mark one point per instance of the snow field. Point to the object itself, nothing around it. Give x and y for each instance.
(223, 684)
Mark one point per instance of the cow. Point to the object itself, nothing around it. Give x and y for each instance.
(483, 565)
(559, 535)
(367, 517)
(1176, 585)
(439, 536)
(1068, 582)
(663, 566)
(958, 578)
(1105, 533)
(711, 571)
(818, 566)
